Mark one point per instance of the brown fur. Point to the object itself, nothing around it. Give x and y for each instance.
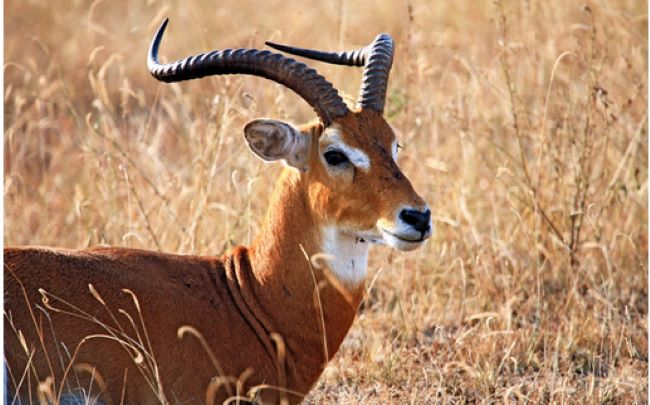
(237, 301)
(371, 195)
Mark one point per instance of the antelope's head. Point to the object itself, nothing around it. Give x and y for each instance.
(348, 160)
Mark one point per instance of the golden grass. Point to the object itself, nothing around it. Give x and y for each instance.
(524, 125)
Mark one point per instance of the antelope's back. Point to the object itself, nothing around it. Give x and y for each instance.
(128, 320)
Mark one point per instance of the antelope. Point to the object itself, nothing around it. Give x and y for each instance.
(263, 317)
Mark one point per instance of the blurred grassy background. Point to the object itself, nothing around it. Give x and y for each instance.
(524, 125)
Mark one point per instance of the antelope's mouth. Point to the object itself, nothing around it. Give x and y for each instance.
(404, 242)
(405, 238)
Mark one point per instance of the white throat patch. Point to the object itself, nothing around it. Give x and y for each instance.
(347, 256)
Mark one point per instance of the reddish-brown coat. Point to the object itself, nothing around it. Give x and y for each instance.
(237, 301)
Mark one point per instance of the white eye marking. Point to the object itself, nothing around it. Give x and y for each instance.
(357, 157)
(393, 149)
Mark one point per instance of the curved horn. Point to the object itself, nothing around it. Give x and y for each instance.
(305, 81)
(376, 58)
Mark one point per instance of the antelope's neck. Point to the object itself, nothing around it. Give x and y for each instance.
(307, 304)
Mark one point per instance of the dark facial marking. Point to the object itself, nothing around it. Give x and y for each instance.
(387, 160)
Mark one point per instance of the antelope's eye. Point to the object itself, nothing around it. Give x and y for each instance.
(335, 158)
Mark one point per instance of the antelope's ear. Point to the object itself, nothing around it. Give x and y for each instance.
(274, 140)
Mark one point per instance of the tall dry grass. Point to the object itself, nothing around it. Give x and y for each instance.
(524, 125)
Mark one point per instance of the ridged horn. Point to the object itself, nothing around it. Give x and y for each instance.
(376, 58)
(303, 80)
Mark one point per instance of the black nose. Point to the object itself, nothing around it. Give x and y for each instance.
(419, 220)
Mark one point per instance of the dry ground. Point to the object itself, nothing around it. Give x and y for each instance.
(524, 125)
